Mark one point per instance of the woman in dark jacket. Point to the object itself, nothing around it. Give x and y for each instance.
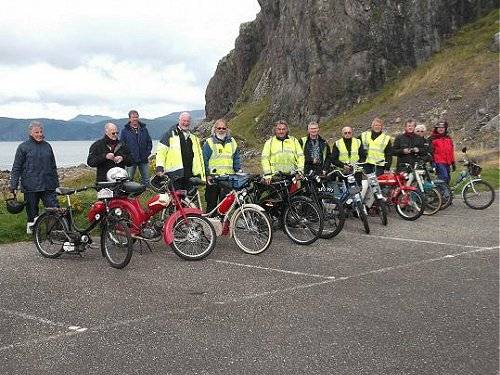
(443, 151)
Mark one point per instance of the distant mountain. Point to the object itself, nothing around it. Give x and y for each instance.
(91, 119)
(12, 129)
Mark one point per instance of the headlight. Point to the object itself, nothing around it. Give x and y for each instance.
(118, 211)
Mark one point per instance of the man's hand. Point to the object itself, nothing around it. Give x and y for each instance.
(110, 156)
(267, 180)
(13, 191)
(160, 173)
(406, 150)
(415, 149)
(118, 159)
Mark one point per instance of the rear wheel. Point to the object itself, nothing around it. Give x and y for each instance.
(382, 210)
(363, 216)
(194, 237)
(333, 215)
(116, 242)
(252, 230)
(433, 201)
(302, 221)
(410, 204)
(478, 195)
(50, 235)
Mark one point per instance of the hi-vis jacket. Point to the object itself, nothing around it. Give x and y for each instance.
(375, 148)
(344, 156)
(169, 155)
(223, 156)
(282, 156)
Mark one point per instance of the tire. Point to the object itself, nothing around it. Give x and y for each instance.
(446, 195)
(50, 234)
(333, 215)
(410, 204)
(478, 195)
(252, 230)
(433, 201)
(361, 211)
(116, 242)
(382, 211)
(194, 237)
(302, 221)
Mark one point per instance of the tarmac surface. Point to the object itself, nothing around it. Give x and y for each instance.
(411, 298)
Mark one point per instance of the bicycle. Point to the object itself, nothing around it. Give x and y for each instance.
(247, 223)
(56, 233)
(432, 196)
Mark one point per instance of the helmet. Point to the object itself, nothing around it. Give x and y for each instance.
(116, 174)
(14, 206)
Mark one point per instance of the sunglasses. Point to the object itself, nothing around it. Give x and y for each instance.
(347, 133)
(419, 131)
(221, 128)
(114, 133)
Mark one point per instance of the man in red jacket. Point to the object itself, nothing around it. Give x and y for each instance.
(443, 151)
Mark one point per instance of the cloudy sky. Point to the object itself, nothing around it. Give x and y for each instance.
(63, 58)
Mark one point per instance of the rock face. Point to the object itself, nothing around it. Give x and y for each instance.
(314, 59)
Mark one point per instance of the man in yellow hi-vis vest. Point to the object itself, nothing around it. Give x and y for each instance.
(348, 150)
(378, 148)
(221, 156)
(179, 152)
(282, 152)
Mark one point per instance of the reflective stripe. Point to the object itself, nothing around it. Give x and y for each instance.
(282, 156)
(344, 154)
(222, 156)
(375, 148)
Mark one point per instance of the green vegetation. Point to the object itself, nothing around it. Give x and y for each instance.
(243, 125)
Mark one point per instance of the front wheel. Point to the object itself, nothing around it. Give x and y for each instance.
(361, 211)
(410, 204)
(50, 235)
(116, 242)
(194, 237)
(302, 221)
(478, 195)
(433, 201)
(382, 210)
(252, 230)
(334, 216)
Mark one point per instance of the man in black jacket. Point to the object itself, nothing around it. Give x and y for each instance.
(35, 165)
(108, 152)
(316, 150)
(408, 146)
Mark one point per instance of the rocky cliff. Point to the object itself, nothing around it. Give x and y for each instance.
(314, 59)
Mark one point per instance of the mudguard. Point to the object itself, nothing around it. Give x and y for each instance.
(168, 226)
(133, 208)
(468, 183)
(404, 187)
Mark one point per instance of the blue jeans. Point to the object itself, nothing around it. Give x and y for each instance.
(143, 169)
(48, 197)
(443, 172)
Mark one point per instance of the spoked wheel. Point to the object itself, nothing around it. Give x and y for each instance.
(382, 210)
(194, 237)
(410, 204)
(251, 230)
(302, 221)
(446, 194)
(478, 194)
(433, 201)
(50, 235)
(116, 242)
(333, 215)
(363, 216)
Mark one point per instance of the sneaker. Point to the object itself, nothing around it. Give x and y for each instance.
(29, 227)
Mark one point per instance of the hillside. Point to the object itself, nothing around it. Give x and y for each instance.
(341, 63)
(60, 130)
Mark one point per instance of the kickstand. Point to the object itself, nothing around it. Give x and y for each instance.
(147, 245)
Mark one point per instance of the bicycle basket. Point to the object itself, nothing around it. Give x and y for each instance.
(475, 169)
(238, 181)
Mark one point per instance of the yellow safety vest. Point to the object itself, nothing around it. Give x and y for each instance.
(344, 154)
(222, 156)
(170, 157)
(375, 148)
(282, 156)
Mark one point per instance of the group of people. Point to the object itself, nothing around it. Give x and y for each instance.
(180, 154)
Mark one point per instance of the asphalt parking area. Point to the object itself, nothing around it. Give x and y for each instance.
(410, 298)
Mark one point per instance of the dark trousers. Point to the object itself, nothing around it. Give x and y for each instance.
(370, 168)
(443, 172)
(32, 199)
(213, 195)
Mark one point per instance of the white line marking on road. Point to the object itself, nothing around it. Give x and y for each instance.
(37, 341)
(32, 317)
(272, 269)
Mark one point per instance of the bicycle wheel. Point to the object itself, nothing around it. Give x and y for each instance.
(382, 210)
(302, 221)
(252, 230)
(50, 235)
(116, 242)
(361, 211)
(194, 237)
(333, 215)
(433, 201)
(410, 204)
(478, 195)
(446, 194)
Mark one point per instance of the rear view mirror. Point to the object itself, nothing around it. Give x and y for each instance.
(464, 150)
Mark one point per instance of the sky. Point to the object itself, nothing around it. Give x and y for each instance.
(64, 58)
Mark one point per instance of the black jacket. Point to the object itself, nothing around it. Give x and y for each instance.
(324, 151)
(410, 141)
(97, 157)
(35, 165)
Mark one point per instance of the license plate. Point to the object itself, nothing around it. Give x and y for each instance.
(105, 193)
